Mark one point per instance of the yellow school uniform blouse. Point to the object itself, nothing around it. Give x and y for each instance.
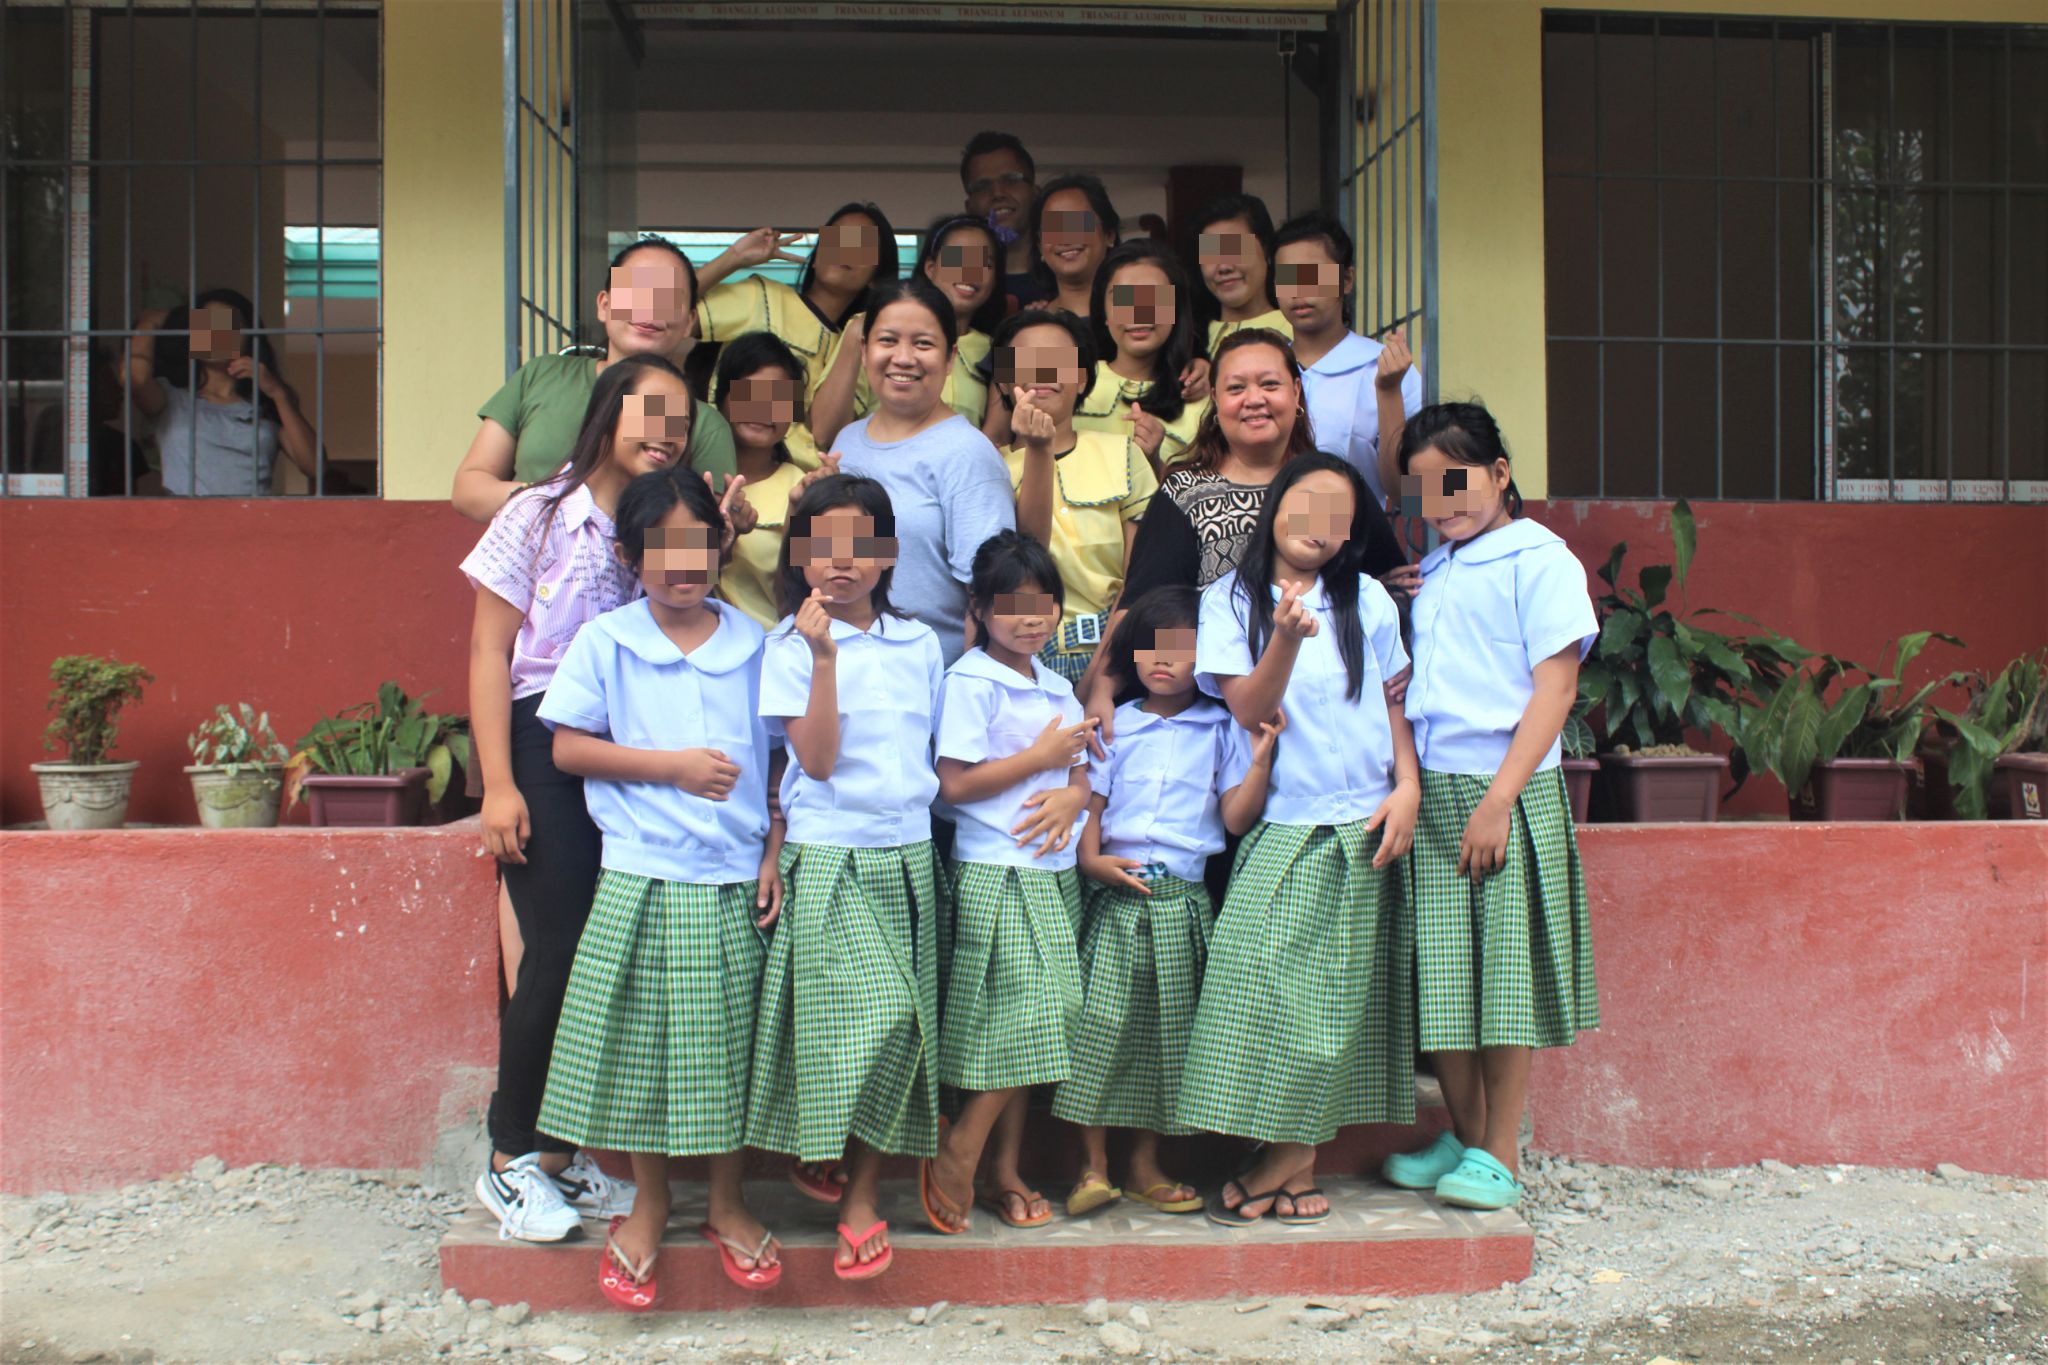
(733, 308)
(1276, 320)
(1103, 410)
(748, 580)
(1099, 485)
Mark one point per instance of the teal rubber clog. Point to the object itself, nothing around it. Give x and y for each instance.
(1422, 1170)
(1479, 1182)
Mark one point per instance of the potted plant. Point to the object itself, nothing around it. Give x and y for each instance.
(1579, 763)
(84, 790)
(235, 769)
(1998, 766)
(1656, 675)
(377, 763)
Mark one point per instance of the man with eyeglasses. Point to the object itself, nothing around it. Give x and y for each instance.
(1001, 183)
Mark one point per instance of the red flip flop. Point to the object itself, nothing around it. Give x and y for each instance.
(729, 1252)
(824, 1186)
(632, 1292)
(859, 1270)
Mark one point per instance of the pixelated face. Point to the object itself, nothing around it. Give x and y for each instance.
(761, 406)
(1072, 240)
(1045, 361)
(216, 334)
(999, 189)
(1166, 665)
(1233, 263)
(1022, 621)
(1256, 397)
(654, 424)
(907, 357)
(1309, 284)
(1457, 500)
(646, 306)
(840, 551)
(847, 252)
(1139, 307)
(964, 269)
(681, 559)
(1314, 519)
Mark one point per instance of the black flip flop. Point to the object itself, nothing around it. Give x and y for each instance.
(1224, 1216)
(1299, 1219)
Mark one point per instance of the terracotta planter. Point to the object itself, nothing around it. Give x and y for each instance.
(382, 801)
(85, 795)
(244, 799)
(1855, 789)
(1578, 785)
(2022, 781)
(1653, 788)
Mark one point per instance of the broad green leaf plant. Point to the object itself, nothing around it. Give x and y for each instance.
(2007, 715)
(388, 735)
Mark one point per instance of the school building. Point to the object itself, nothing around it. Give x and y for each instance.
(1780, 257)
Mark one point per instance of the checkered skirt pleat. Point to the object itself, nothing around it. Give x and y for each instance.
(848, 1028)
(1013, 996)
(1141, 971)
(1304, 1024)
(1507, 961)
(655, 1046)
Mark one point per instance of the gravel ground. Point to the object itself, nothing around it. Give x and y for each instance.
(1769, 1263)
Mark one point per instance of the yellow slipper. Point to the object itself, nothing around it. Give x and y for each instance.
(1152, 1198)
(1090, 1193)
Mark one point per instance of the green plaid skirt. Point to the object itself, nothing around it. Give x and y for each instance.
(1141, 971)
(1508, 961)
(1305, 1023)
(656, 1041)
(849, 1005)
(1013, 994)
(1072, 647)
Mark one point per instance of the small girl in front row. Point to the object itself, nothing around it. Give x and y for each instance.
(1503, 946)
(1303, 1026)
(1013, 768)
(848, 1036)
(1178, 774)
(654, 707)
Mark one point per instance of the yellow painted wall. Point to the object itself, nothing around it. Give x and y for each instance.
(444, 255)
(1490, 187)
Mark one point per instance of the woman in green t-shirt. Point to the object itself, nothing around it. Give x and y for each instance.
(648, 307)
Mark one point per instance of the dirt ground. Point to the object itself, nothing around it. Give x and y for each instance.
(1769, 1263)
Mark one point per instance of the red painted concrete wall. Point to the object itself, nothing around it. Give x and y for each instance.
(327, 997)
(1868, 994)
(305, 606)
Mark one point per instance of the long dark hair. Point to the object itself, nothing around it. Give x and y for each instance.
(1222, 209)
(1163, 400)
(174, 352)
(1341, 576)
(888, 267)
(1318, 225)
(1176, 606)
(1097, 195)
(1467, 433)
(1206, 450)
(652, 496)
(601, 423)
(829, 494)
(1004, 563)
(987, 317)
(751, 351)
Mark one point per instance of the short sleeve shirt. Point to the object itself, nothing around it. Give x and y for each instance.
(1163, 781)
(1343, 404)
(214, 450)
(1489, 610)
(543, 404)
(1098, 486)
(988, 710)
(1273, 320)
(1102, 409)
(734, 308)
(748, 580)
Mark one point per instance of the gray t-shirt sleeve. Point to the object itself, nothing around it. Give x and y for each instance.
(978, 501)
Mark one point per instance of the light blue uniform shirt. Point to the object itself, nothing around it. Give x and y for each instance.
(1164, 779)
(990, 710)
(1335, 760)
(1343, 409)
(950, 491)
(881, 789)
(1488, 612)
(625, 681)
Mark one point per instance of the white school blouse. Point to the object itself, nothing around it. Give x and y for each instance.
(625, 681)
(1164, 780)
(1489, 610)
(989, 710)
(881, 789)
(1343, 406)
(1335, 760)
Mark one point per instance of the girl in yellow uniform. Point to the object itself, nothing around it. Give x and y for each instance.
(1234, 243)
(1144, 331)
(1073, 227)
(760, 388)
(855, 249)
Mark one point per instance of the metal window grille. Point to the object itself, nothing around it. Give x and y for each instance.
(1790, 260)
(542, 293)
(280, 99)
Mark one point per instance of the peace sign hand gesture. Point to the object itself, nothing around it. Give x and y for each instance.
(740, 516)
(764, 244)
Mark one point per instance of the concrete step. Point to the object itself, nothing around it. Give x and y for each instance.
(1378, 1240)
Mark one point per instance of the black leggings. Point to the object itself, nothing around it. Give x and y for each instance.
(551, 895)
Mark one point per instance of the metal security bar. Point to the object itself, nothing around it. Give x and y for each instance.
(1387, 166)
(90, 96)
(542, 292)
(1892, 174)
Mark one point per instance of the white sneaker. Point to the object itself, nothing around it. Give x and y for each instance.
(592, 1193)
(527, 1204)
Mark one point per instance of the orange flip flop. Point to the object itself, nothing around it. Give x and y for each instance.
(929, 1193)
(997, 1202)
(859, 1270)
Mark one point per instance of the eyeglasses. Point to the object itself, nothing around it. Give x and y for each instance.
(1009, 180)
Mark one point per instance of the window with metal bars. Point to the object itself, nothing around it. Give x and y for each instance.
(1795, 260)
(152, 153)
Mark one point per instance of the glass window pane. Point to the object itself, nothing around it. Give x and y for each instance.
(33, 66)
(1798, 420)
(1631, 421)
(2028, 298)
(1748, 282)
(1860, 414)
(1917, 447)
(1690, 421)
(1628, 266)
(1568, 102)
(1569, 265)
(1748, 417)
(1746, 104)
(2028, 396)
(1861, 274)
(1688, 264)
(1685, 97)
(1919, 118)
(1973, 259)
(1862, 92)
(2029, 112)
(1798, 255)
(1966, 401)
(1573, 409)
(1977, 137)
(1627, 90)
